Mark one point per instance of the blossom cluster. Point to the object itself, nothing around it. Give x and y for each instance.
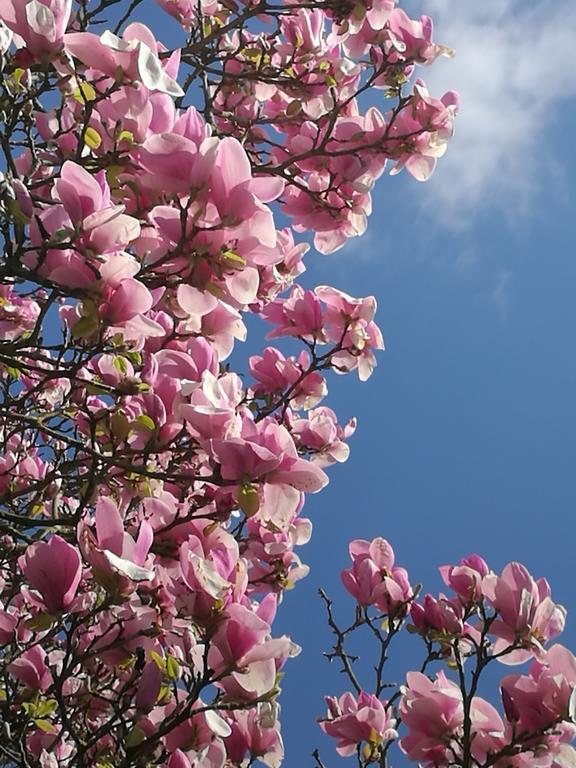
(439, 720)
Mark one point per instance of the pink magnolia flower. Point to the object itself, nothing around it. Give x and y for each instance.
(239, 195)
(537, 701)
(86, 199)
(275, 373)
(31, 669)
(438, 619)
(352, 721)
(527, 616)
(266, 453)
(40, 24)
(118, 559)
(130, 299)
(54, 569)
(242, 646)
(42, 745)
(298, 315)
(373, 578)
(209, 407)
(466, 579)
(175, 163)
(433, 713)
(320, 433)
(8, 624)
(209, 570)
(184, 11)
(135, 54)
(18, 315)
(349, 322)
(195, 735)
(255, 733)
(148, 687)
(415, 38)
(429, 124)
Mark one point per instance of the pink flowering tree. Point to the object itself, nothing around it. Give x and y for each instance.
(151, 498)
(436, 717)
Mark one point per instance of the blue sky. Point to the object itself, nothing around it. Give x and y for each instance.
(467, 429)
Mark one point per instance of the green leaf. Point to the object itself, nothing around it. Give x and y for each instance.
(234, 257)
(45, 725)
(143, 422)
(120, 426)
(46, 707)
(249, 500)
(84, 92)
(84, 327)
(134, 357)
(294, 108)
(164, 695)
(160, 662)
(172, 668)
(121, 365)
(14, 373)
(40, 622)
(92, 138)
(135, 736)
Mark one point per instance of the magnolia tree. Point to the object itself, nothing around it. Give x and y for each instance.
(150, 497)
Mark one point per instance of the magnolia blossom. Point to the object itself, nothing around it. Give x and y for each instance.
(18, 315)
(352, 721)
(39, 24)
(466, 579)
(527, 616)
(434, 715)
(54, 569)
(373, 578)
(31, 669)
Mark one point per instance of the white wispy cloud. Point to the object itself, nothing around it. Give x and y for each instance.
(514, 67)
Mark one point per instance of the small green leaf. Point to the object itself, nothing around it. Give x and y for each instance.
(121, 365)
(143, 422)
(249, 500)
(40, 622)
(84, 327)
(45, 707)
(160, 662)
(120, 426)
(84, 92)
(294, 108)
(234, 257)
(14, 373)
(45, 725)
(172, 668)
(135, 736)
(134, 357)
(92, 138)
(164, 695)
